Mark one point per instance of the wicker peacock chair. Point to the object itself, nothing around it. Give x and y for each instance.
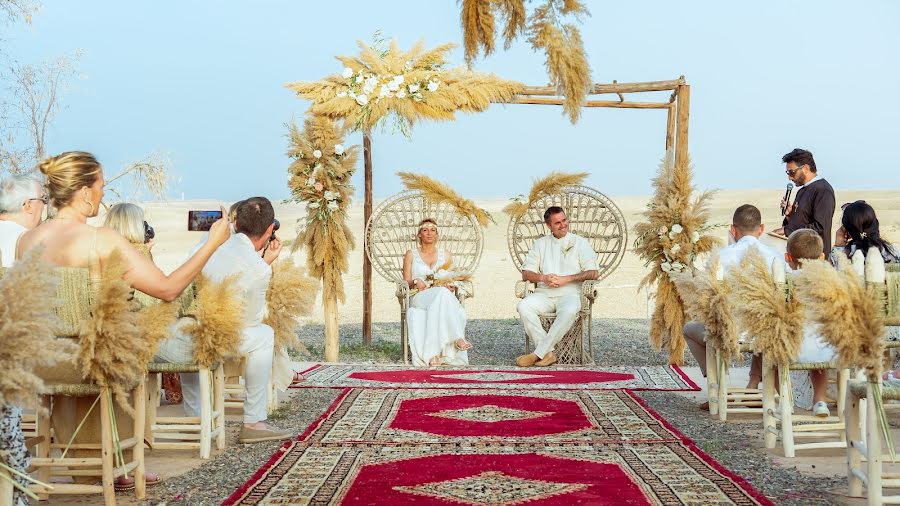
(391, 231)
(593, 216)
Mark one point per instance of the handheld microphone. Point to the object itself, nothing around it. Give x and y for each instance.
(787, 196)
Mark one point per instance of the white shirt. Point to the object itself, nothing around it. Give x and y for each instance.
(731, 255)
(9, 236)
(570, 254)
(237, 256)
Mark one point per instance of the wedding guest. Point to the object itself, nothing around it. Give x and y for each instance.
(859, 230)
(746, 227)
(435, 318)
(813, 205)
(75, 185)
(22, 202)
(557, 262)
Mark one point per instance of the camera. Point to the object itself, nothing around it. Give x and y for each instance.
(149, 233)
(277, 225)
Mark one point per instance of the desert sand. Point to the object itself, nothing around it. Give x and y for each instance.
(496, 276)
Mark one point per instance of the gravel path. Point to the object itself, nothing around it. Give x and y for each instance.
(616, 342)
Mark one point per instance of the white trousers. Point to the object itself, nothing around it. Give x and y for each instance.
(566, 308)
(259, 346)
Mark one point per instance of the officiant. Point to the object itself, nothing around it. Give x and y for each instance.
(813, 205)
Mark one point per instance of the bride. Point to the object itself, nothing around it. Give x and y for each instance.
(436, 319)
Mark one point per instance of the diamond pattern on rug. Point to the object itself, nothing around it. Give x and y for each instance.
(565, 378)
(492, 488)
(489, 413)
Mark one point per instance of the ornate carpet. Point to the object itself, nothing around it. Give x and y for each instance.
(492, 447)
(551, 378)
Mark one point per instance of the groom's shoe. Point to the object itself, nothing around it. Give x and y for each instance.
(549, 359)
(527, 360)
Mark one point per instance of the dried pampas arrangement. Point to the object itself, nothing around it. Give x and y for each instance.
(218, 323)
(552, 184)
(845, 312)
(291, 294)
(708, 300)
(27, 329)
(439, 193)
(405, 85)
(320, 177)
(675, 233)
(763, 310)
(547, 31)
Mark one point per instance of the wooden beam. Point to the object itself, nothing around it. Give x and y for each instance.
(602, 89)
(520, 99)
(682, 116)
(670, 127)
(367, 266)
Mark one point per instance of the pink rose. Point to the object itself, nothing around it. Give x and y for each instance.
(319, 187)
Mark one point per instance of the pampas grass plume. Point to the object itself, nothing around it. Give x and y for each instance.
(291, 294)
(707, 299)
(439, 193)
(218, 323)
(551, 184)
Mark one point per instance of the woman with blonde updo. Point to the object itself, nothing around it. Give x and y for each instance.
(75, 186)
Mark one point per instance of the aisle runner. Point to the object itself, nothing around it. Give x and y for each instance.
(530, 379)
(452, 447)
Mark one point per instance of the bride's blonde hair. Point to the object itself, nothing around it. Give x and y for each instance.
(421, 226)
(67, 173)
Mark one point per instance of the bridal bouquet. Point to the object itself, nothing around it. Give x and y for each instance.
(445, 276)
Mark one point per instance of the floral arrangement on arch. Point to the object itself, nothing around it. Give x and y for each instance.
(675, 234)
(319, 176)
(407, 85)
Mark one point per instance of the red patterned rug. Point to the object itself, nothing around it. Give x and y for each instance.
(478, 447)
(578, 378)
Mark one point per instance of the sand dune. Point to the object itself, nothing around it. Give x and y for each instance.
(496, 276)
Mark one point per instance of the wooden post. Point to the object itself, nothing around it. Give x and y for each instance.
(367, 266)
(683, 99)
(670, 127)
(6, 488)
(332, 348)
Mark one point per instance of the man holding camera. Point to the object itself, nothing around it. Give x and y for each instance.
(248, 254)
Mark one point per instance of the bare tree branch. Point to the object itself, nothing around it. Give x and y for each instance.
(151, 175)
(12, 10)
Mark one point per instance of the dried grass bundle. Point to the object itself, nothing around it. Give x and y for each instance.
(114, 350)
(708, 300)
(759, 304)
(150, 174)
(478, 27)
(404, 85)
(552, 184)
(674, 234)
(439, 193)
(291, 294)
(218, 323)
(845, 313)
(27, 324)
(323, 183)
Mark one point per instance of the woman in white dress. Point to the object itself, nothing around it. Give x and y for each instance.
(436, 319)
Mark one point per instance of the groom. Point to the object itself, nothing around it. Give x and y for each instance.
(557, 263)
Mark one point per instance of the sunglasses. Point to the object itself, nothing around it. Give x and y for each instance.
(844, 206)
(792, 172)
(44, 199)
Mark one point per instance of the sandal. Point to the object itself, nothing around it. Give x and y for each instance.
(126, 483)
(465, 346)
(298, 378)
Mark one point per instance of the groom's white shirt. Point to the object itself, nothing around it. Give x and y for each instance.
(571, 254)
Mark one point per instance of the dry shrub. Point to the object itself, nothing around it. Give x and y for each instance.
(845, 313)
(438, 193)
(27, 324)
(291, 294)
(774, 321)
(218, 326)
(552, 184)
(707, 299)
(673, 203)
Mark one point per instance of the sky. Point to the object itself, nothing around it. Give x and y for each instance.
(203, 83)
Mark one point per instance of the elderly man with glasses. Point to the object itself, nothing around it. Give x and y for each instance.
(814, 202)
(22, 203)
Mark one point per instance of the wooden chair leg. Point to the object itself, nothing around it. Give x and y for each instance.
(712, 381)
(42, 451)
(786, 407)
(137, 453)
(106, 449)
(769, 422)
(219, 405)
(843, 375)
(205, 414)
(154, 383)
(873, 445)
(404, 337)
(6, 488)
(724, 378)
(854, 436)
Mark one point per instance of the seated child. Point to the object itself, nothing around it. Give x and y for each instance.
(802, 245)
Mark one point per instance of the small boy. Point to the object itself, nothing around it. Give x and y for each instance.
(805, 244)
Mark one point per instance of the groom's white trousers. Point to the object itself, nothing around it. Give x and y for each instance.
(566, 308)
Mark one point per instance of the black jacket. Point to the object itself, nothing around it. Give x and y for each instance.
(813, 208)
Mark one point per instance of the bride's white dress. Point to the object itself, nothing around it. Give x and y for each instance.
(435, 318)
